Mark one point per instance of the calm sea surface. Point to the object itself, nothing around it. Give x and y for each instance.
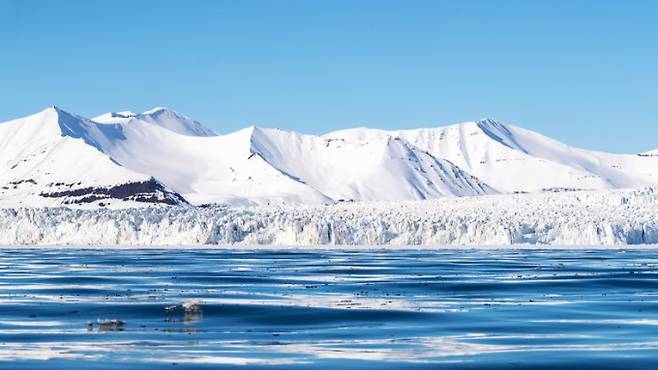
(455, 309)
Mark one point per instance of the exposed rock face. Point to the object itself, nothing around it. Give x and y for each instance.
(150, 191)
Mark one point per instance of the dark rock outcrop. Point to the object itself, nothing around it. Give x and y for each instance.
(150, 191)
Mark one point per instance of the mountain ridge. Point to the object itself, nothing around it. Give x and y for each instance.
(185, 162)
(54, 158)
(159, 116)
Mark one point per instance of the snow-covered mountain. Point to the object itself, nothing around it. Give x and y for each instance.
(53, 158)
(512, 159)
(160, 156)
(387, 168)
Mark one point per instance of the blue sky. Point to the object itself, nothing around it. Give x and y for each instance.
(584, 72)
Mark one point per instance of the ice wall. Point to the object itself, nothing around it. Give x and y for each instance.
(575, 218)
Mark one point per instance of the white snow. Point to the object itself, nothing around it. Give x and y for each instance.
(512, 159)
(253, 166)
(44, 151)
(114, 117)
(258, 166)
(270, 166)
(163, 117)
(613, 217)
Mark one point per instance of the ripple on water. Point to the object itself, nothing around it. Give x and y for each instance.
(328, 309)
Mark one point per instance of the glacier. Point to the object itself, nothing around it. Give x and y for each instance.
(578, 218)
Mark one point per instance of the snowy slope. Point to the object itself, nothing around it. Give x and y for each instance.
(512, 159)
(163, 117)
(124, 148)
(162, 156)
(381, 169)
(261, 166)
(115, 117)
(219, 169)
(52, 158)
(266, 166)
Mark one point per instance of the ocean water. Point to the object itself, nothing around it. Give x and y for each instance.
(389, 309)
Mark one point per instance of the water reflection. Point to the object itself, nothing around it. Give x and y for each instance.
(324, 309)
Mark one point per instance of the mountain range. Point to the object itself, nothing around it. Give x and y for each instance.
(124, 159)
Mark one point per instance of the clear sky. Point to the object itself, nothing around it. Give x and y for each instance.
(584, 72)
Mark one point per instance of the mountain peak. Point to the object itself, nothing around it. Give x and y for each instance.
(114, 117)
(174, 121)
(59, 113)
(123, 114)
(160, 116)
(160, 110)
(500, 133)
(487, 123)
(52, 109)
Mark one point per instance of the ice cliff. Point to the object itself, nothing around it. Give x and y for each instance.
(614, 217)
